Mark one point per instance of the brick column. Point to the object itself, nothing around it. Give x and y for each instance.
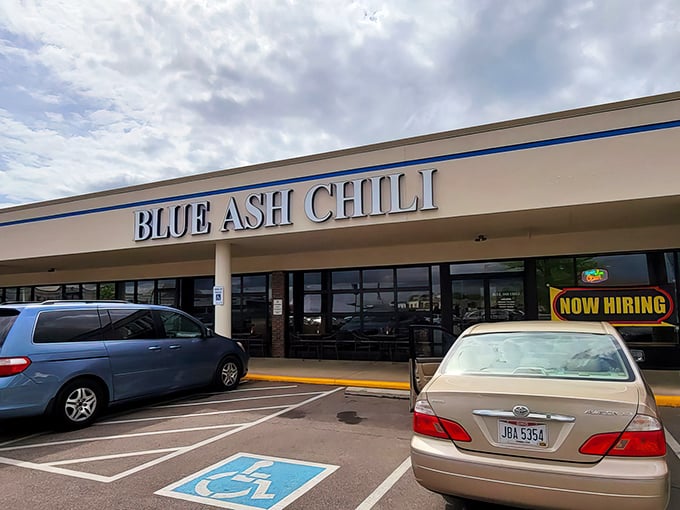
(279, 287)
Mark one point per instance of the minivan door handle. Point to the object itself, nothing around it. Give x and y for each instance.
(155, 348)
(175, 347)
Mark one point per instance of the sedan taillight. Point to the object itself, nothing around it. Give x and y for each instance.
(13, 366)
(644, 437)
(427, 423)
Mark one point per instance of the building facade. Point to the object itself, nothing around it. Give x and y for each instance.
(565, 216)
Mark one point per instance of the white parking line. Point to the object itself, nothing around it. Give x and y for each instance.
(119, 436)
(193, 415)
(382, 489)
(210, 402)
(260, 388)
(46, 467)
(222, 436)
(670, 440)
(109, 457)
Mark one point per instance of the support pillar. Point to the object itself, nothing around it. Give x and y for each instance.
(223, 279)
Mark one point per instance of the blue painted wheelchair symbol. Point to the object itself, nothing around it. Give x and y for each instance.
(250, 482)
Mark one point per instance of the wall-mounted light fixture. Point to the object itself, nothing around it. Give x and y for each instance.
(480, 238)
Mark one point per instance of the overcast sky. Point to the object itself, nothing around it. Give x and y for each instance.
(99, 94)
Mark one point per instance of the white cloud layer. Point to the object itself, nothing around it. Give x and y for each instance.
(106, 93)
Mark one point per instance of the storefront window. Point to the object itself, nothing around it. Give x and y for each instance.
(616, 270)
(343, 280)
(255, 283)
(669, 259)
(378, 278)
(413, 277)
(167, 292)
(378, 300)
(554, 272)
(72, 292)
(89, 291)
(130, 291)
(145, 291)
(312, 303)
(107, 291)
(25, 294)
(346, 303)
(45, 292)
(312, 281)
(510, 266)
(10, 294)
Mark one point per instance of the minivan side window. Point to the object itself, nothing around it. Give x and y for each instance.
(67, 326)
(131, 324)
(7, 318)
(179, 326)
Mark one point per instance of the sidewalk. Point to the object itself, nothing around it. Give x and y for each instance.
(394, 376)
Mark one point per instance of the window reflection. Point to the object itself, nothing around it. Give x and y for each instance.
(413, 277)
(622, 269)
(145, 291)
(89, 291)
(487, 267)
(343, 280)
(378, 278)
(46, 292)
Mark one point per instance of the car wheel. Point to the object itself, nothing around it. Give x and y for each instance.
(228, 374)
(78, 403)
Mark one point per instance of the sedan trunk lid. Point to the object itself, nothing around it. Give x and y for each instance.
(533, 416)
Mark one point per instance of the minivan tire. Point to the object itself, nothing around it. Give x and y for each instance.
(78, 404)
(228, 374)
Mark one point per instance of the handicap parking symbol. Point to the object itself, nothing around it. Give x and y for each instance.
(246, 481)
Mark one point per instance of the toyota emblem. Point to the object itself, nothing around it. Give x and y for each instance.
(521, 411)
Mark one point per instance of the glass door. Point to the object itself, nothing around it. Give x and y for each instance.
(486, 299)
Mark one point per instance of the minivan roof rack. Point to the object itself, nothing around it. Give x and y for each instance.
(18, 302)
(66, 301)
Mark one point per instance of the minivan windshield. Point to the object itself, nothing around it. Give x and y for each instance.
(539, 354)
(7, 318)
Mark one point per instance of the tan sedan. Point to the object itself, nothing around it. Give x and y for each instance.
(552, 415)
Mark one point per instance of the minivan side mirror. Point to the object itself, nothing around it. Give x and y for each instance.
(638, 355)
(209, 333)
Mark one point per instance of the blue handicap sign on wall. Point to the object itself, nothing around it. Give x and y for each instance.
(248, 481)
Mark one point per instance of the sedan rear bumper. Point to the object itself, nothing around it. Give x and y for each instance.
(621, 483)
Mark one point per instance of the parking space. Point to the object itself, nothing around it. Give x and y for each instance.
(136, 456)
(266, 445)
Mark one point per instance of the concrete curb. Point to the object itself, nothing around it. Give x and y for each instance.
(384, 385)
(667, 400)
(661, 400)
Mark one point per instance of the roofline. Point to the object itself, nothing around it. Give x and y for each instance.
(483, 128)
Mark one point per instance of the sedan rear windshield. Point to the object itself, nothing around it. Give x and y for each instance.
(549, 354)
(7, 318)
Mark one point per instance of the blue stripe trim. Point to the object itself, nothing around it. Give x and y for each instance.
(343, 173)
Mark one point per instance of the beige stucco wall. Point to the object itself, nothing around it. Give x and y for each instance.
(539, 201)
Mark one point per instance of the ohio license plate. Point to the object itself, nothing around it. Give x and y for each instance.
(522, 432)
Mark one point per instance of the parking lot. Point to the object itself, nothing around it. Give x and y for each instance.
(266, 445)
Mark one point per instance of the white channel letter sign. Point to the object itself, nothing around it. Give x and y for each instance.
(355, 198)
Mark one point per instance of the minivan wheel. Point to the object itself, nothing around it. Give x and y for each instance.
(78, 404)
(228, 374)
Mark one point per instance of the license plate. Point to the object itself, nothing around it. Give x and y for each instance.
(522, 432)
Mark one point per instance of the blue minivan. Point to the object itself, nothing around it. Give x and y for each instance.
(70, 359)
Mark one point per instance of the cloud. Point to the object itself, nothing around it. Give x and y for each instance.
(99, 94)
